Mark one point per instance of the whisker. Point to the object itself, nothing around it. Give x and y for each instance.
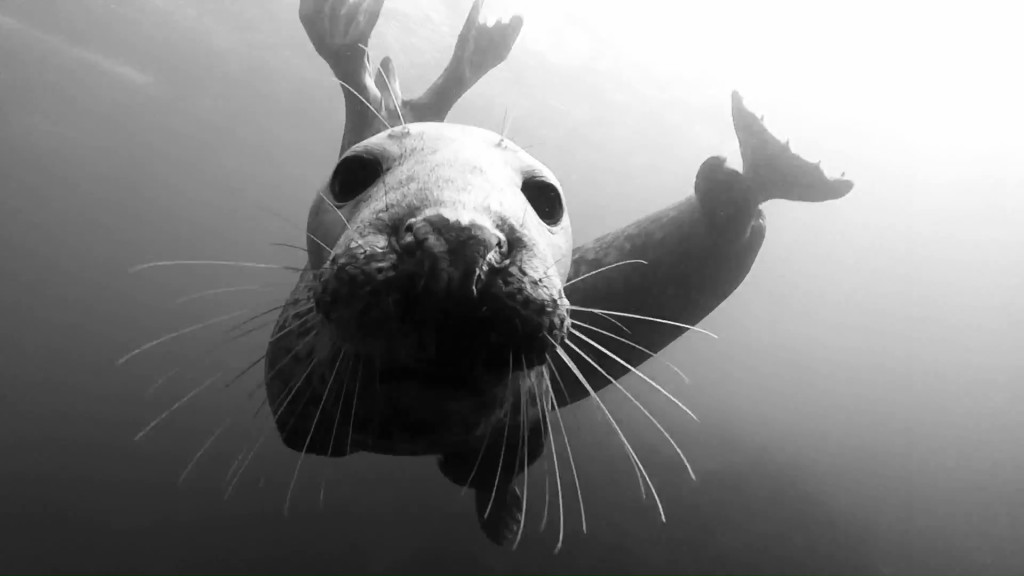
(234, 466)
(635, 371)
(363, 100)
(245, 370)
(501, 457)
(544, 430)
(181, 332)
(252, 319)
(231, 487)
(602, 269)
(195, 458)
(479, 458)
(487, 437)
(141, 267)
(176, 405)
(678, 450)
(622, 436)
(686, 380)
(398, 107)
(506, 125)
(547, 496)
(322, 245)
(287, 245)
(568, 450)
(160, 381)
(639, 317)
(292, 389)
(334, 429)
(293, 326)
(339, 213)
(355, 399)
(312, 428)
(614, 321)
(525, 440)
(184, 299)
(305, 342)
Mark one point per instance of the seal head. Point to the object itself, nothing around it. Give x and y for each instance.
(437, 256)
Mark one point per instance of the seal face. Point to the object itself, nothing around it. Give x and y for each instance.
(437, 256)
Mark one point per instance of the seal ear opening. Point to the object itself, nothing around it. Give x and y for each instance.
(353, 175)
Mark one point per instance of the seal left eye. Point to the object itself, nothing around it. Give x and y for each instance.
(353, 175)
(545, 199)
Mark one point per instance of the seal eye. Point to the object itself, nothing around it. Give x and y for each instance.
(353, 175)
(545, 199)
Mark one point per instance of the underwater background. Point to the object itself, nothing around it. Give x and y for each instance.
(860, 412)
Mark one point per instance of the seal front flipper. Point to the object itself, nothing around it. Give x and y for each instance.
(501, 515)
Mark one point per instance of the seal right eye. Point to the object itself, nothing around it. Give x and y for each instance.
(353, 175)
(545, 199)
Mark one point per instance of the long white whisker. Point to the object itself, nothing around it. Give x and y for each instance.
(639, 317)
(568, 450)
(398, 107)
(245, 464)
(543, 407)
(322, 245)
(206, 445)
(363, 100)
(686, 462)
(312, 429)
(294, 325)
(614, 321)
(293, 389)
(602, 269)
(622, 436)
(161, 380)
(341, 402)
(181, 332)
(355, 399)
(334, 429)
(526, 461)
(686, 380)
(234, 466)
(184, 299)
(479, 458)
(635, 371)
(338, 212)
(140, 267)
(487, 437)
(176, 405)
(501, 460)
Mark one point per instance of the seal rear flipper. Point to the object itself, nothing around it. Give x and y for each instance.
(773, 170)
(499, 518)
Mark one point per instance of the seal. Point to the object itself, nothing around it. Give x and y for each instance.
(434, 310)
(443, 309)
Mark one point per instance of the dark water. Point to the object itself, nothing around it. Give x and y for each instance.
(860, 412)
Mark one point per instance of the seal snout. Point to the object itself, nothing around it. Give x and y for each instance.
(448, 294)
(453, 258)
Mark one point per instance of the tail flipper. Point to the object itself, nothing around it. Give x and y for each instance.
(773, 170)
(499, 518)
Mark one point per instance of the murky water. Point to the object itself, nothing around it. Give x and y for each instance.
(859, 412)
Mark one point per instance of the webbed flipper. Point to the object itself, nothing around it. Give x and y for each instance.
(500, 512)
(491, 472)
(773, 169)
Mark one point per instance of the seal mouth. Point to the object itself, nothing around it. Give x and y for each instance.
(450, 342)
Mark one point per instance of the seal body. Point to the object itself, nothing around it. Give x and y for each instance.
(434, 312)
